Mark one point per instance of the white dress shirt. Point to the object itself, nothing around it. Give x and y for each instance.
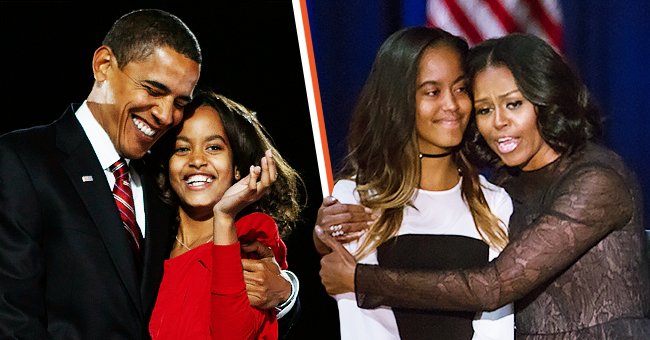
(107, 155)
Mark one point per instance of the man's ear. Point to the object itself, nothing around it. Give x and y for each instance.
(102, 62)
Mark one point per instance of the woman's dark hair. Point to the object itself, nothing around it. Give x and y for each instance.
(566, 114)
(248, 140)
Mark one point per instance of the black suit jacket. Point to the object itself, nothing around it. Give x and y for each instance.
(66, 268)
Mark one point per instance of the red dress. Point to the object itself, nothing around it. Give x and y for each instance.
(196, 302)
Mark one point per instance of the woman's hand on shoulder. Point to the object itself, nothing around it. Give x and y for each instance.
(344, 222)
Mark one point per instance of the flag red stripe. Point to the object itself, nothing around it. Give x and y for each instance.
(464, 22)
(504, 17)
(553, 31)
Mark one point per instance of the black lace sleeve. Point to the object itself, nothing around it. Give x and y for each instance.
(586, 205)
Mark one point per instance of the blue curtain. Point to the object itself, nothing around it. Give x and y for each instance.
(606, 40)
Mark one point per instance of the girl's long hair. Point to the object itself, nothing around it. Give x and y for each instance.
(249, 140)
(383, 154)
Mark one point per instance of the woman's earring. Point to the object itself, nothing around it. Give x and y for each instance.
(237, 176)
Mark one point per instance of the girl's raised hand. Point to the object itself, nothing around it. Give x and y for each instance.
(249, 189)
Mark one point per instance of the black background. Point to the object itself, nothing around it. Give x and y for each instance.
(250, 54)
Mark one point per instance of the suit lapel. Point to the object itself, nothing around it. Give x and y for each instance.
(81, 165)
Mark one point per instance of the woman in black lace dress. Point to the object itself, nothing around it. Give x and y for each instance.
(575, 264)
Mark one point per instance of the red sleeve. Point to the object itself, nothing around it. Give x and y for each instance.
(232, 315)
(261, 227)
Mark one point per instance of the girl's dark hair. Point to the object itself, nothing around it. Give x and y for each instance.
(566, 114)
(248, 140)
(383, 154)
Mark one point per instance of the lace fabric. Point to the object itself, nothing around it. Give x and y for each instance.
(575, 264)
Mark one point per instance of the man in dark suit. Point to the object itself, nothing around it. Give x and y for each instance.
(67, 266)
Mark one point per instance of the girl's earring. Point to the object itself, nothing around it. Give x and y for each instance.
(237, 176)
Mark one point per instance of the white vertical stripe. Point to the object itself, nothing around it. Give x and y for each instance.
(311, 97)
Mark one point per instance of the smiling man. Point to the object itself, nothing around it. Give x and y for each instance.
(84, 234)
(79, 259)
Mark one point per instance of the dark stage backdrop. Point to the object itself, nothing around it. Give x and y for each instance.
(608, 41)
(250, 54)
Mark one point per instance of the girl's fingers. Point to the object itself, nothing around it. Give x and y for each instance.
(265, 179)
(269, 171)
(273, 171)
(254, 175)
(261, 177)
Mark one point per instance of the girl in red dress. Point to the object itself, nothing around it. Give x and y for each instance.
(203, 292)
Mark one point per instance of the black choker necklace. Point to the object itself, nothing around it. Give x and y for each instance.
(435, 155)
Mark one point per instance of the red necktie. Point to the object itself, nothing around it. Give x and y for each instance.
(124, 201)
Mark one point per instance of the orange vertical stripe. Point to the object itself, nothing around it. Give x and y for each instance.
(319, 107)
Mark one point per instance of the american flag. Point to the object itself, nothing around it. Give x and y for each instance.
(477, 20)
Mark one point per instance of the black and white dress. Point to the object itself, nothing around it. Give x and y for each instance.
(438, 232)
